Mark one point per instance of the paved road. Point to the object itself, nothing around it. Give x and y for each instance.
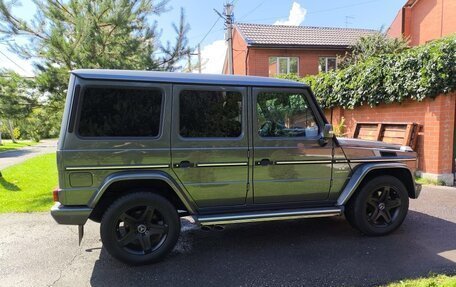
(34, 251)
(13, 157)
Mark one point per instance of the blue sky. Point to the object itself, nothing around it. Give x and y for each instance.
(372, 14)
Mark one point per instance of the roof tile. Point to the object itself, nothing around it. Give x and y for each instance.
(281, 35)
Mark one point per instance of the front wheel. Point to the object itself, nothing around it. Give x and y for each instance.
(379, 207)
(140, 228)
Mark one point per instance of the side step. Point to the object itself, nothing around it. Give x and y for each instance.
(287, 214)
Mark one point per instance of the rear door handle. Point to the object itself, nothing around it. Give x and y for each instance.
(264, 162)
(184, 164)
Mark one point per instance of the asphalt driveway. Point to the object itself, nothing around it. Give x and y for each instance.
(34, 251)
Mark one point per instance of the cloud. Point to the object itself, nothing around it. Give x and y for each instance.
(296, 16)
(213, 57)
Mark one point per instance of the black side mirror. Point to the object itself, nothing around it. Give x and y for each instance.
(326, 134)
(327, 131)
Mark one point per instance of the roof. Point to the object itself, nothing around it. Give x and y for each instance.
(300, 36)
(183, 78)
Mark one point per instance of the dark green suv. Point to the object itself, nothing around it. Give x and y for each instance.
(138, 150)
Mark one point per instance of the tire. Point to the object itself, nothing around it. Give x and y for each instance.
(379, 207)
(140, 228)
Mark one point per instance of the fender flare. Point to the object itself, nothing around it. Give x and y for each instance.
(362, 171)
(142, 175)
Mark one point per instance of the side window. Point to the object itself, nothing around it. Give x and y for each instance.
(209, 114)
(120, 112)
(282, 114)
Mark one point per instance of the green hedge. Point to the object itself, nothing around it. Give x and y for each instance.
(417, 73)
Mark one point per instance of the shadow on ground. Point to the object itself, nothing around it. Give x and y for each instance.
(315, 252)
(8, 185)
(15, 153)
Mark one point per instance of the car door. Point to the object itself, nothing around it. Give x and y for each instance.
(290, 164)
(209, 143)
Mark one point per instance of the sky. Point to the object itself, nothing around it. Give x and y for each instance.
(200, 14)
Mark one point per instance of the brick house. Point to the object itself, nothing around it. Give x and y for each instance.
(269, 50)
(420, 21)
(424, 20)
(262, 49)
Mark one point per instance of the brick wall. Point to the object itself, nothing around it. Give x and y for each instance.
(258, 61)
(437, 118)
(425, 20)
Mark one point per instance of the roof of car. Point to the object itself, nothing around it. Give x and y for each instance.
(183, 78)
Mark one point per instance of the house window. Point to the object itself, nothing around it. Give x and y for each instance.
(327, 64)
(283, 65)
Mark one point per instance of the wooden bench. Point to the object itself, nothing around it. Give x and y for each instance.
(397, 133)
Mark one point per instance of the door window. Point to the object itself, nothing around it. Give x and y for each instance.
(210, 114)
(120, 112)
(284, 114)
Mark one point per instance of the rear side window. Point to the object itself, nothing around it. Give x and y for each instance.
(120, 112)
(210, 114)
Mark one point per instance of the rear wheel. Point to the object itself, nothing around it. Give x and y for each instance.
(379, 207)
(140, 228)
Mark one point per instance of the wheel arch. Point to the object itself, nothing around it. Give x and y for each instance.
(122, 183)
(366, 171)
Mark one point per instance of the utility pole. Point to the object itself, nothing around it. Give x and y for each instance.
(228, 13)
(189, 62)
(199, 58)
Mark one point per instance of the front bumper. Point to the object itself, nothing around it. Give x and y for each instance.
(70, 215)
(417, 190)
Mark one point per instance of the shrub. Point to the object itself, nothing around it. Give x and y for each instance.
(416, 73)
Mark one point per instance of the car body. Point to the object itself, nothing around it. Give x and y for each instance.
(222, 149)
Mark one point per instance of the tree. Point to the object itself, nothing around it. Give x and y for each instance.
(112, 34)
(16, 99)
(373, 45)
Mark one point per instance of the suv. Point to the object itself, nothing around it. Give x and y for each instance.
(138, 150)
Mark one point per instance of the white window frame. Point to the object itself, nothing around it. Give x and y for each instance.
(288, 64)
(326, 62)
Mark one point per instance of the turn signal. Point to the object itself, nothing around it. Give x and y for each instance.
(55, 194)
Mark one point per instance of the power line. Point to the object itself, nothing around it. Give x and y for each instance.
(17, 65)
(210, 30)
(251, 11)
(323, 10)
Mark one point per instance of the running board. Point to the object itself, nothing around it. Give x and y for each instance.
(287, 214)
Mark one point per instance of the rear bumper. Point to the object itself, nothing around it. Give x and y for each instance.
(70, 215)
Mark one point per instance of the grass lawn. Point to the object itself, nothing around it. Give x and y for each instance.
(426, 181)
(28, 186)
(433, 281)
(9, 145)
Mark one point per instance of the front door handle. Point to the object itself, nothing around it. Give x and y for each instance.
(184, 164)
(264, 162)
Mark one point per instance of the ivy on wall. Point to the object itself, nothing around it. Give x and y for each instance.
(417, 73)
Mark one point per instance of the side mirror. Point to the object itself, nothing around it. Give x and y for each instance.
(328, 131)
(326, 134)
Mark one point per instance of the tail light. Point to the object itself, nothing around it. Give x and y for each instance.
(55, 194)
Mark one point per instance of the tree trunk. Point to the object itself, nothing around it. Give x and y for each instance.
(11, 130)
(1, 143)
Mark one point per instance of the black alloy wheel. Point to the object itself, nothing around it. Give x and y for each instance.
(140, 228)
(379, 207)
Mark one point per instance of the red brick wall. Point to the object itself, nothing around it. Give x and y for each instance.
(437, 118)
(258, 60)
(395, 29)
(425, 20)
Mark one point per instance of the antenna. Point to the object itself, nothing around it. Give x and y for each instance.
(347, 20)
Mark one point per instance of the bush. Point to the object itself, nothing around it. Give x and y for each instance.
(416, 73)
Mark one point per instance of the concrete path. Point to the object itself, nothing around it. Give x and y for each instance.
(13, 157)
(35, 251)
